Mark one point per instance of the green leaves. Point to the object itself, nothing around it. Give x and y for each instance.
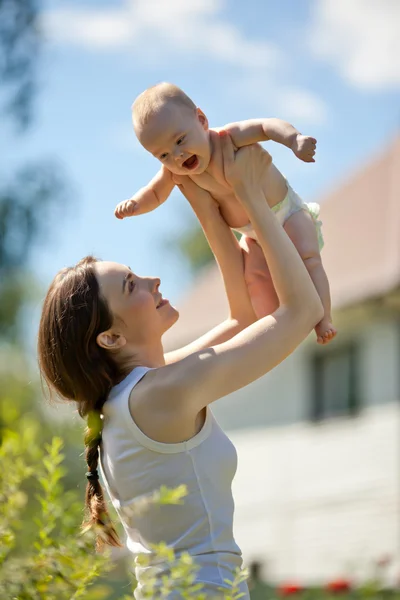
(19, 52)
(241, 575)
(61, 564)
(167, 495)
(192, 244)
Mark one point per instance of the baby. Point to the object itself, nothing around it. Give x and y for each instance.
(172, 128)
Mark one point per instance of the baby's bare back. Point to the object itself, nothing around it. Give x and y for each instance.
(213, 180)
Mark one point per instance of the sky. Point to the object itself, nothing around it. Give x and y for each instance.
(330, 67)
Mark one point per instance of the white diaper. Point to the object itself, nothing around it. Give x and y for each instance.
(291, 204)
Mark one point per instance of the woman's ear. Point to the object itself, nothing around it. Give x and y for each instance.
(110, 341)
(202, 118)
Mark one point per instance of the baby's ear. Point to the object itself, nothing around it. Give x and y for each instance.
(202, 118)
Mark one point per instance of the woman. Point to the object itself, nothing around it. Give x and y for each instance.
(148, 413)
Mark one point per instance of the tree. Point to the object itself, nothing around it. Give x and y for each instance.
(19, 48)
(32, 189)
(193, 245)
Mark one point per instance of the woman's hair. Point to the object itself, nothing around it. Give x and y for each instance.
(75, 367)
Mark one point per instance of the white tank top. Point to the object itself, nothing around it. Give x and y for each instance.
(133, 466)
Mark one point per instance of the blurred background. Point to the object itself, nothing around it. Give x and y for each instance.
(317, 490)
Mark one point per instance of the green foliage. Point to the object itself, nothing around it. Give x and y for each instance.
(194, 247)
(60, 564)
(30, 195)
(32, 491)
(35, 190)
(181, 576)
(19, 49)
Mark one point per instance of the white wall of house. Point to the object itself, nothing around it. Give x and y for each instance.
(284, 395)
(318, 500)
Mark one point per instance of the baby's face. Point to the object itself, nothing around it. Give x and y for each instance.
(179, 137)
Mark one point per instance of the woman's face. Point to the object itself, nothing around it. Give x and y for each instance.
(140, 313)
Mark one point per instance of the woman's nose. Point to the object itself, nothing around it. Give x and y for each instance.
(154, 283)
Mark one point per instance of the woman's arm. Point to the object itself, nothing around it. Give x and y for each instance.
(204, 376)
(229, 258)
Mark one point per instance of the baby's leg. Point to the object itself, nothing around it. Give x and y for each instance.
(258, 279)
(301, 229)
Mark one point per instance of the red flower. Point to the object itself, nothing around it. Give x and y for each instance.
(339, 585)
(289, 589)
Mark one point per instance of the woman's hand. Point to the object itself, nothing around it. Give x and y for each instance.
(244, 169)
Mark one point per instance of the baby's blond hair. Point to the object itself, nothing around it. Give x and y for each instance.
(154, 99)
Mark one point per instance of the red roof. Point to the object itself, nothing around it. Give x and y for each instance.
(361, 226)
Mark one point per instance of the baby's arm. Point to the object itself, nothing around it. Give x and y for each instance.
(148, 197)
(251, 131)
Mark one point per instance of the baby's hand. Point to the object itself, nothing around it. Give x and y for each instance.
(304, 147)
(149, 197)
(144, 201)
(126, 209)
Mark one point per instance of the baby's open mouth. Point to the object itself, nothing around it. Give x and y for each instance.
(191, 163)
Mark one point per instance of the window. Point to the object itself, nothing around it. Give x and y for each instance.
(335, 383)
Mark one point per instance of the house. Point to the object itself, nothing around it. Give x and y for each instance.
(317, 491)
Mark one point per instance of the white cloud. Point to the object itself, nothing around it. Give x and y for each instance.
(163, 27)
(360, 38)
(302, 106)
(271, 98)
(91, 28)
(157, 32)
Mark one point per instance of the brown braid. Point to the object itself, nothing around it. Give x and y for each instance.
(77, 368)
(94, 500)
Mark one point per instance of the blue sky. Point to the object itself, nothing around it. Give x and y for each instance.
(327, 66)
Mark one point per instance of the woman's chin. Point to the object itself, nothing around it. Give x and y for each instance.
(173, 316)
(176, 315)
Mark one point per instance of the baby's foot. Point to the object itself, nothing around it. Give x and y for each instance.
(125, 209)
(325, 331)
